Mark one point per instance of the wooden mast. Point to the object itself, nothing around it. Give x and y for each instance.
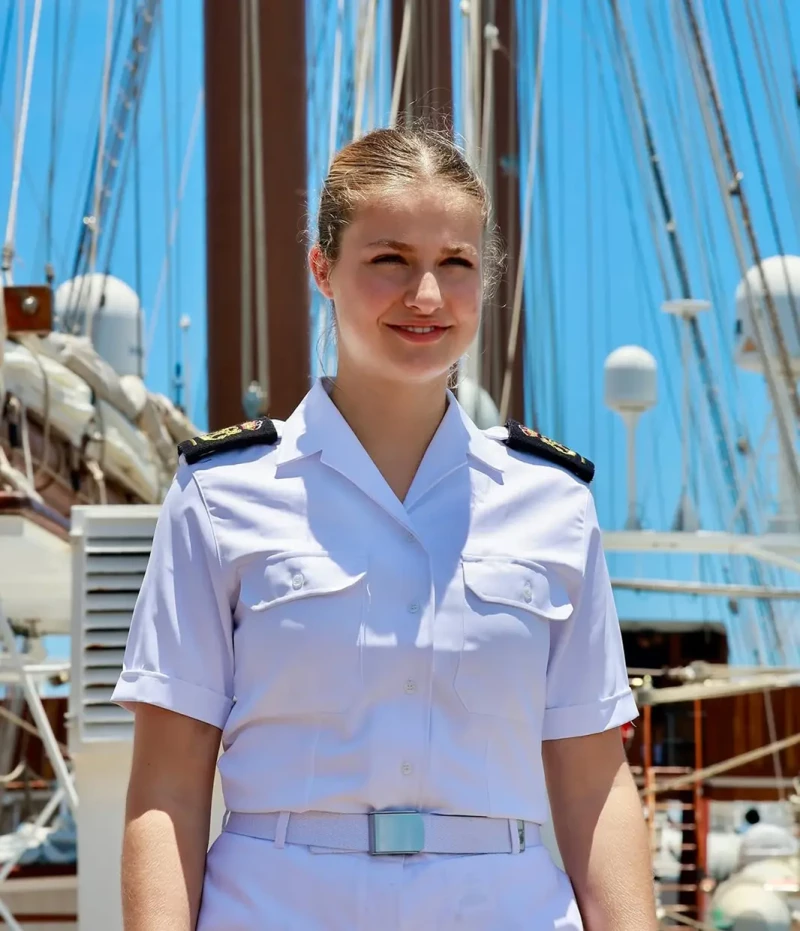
(428, 92)
(428, 84)
(282, 62)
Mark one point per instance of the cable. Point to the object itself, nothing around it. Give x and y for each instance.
(533, 146)
(245, 207)
(99, 164)
(790, 48)
(137, 231)
(762, 171)
(51, 170)
(587, 171)
(783, 135)
(260, 208)
(19, 148)
(4, 50)
(736, 190)
(756, 570)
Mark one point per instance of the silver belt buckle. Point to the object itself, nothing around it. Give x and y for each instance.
(395, 833)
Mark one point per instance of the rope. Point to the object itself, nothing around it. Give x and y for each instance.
(51, 171)
(173, 225)
(762, 171)
(775, 103)
(137, 226)
(19, 148)
(402, 61)
(15, 773)
(245, 300)
(170, 325)
(756, 571)
(689, 922)
(99, 164)
(29, 728)
(790, 48)
(6, 46)
(367, 44)
(259, 204)
(533, 145)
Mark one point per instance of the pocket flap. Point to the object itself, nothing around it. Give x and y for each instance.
(518, 584)
(291, 576)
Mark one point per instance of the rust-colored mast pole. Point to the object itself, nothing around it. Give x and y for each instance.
(282, 63)
(506, 195)
(428, 85)
(428, 91)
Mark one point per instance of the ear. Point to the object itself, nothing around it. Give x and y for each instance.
(321, 270)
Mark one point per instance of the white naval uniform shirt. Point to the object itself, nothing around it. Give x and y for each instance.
(362, 653)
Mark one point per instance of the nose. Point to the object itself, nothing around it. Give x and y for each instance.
(427, 296)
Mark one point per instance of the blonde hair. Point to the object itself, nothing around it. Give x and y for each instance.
(386, 158)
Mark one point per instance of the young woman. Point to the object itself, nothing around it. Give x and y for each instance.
(400, 627)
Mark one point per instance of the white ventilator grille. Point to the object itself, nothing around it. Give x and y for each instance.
(111, 547)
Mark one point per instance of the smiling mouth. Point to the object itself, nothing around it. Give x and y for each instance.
(418, 334)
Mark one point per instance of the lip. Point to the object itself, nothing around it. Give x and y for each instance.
(431, 337)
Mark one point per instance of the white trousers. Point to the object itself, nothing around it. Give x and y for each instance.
(252, 885)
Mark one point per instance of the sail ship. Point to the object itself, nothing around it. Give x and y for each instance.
(648, 316)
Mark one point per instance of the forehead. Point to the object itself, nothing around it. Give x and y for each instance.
(431, 214)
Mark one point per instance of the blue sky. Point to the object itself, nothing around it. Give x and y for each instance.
(594, 281)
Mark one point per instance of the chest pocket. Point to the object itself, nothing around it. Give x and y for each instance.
(300, 635)
(508, 605)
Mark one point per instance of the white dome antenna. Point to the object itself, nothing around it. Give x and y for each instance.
(109, 313)
(630, 390)
(756, 349)
(688, 309)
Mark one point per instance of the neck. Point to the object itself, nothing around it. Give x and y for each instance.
(394, 422)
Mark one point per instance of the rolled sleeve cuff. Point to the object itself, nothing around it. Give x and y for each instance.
(154, 688)
(594, 718)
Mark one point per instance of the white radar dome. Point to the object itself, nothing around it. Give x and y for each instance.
(630, 380)
(478, 403)
(107, 310)
(782, 276)
(745, 905)
(763, 840)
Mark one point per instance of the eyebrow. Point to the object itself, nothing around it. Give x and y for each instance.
(455, 249)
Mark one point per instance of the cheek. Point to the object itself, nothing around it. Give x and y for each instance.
(370, 295)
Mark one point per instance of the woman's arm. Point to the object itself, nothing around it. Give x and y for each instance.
(597, 816)
(167, 820)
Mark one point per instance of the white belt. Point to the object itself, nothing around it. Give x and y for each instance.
(388, 832)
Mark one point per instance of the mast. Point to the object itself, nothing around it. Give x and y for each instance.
(504, 181)
(428, 75)
(427, 90)
(272, 308)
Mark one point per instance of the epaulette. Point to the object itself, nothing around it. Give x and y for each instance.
(531, 441)
(237, 437)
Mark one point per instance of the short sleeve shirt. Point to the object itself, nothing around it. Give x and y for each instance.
(362, 653)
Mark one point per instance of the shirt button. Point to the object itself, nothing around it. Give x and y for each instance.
(410, 535)
(406, 769)
(410, 686)
(297, 581)
(413, 607)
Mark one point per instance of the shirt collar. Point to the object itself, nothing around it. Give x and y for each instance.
(317, 427)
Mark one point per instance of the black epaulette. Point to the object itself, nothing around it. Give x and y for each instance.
(243, 434)
(526, 440)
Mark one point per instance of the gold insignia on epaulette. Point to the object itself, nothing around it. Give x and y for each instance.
(546, 439)
(526, 440)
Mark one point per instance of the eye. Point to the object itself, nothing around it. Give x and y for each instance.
(388, 259)
(458, 260)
